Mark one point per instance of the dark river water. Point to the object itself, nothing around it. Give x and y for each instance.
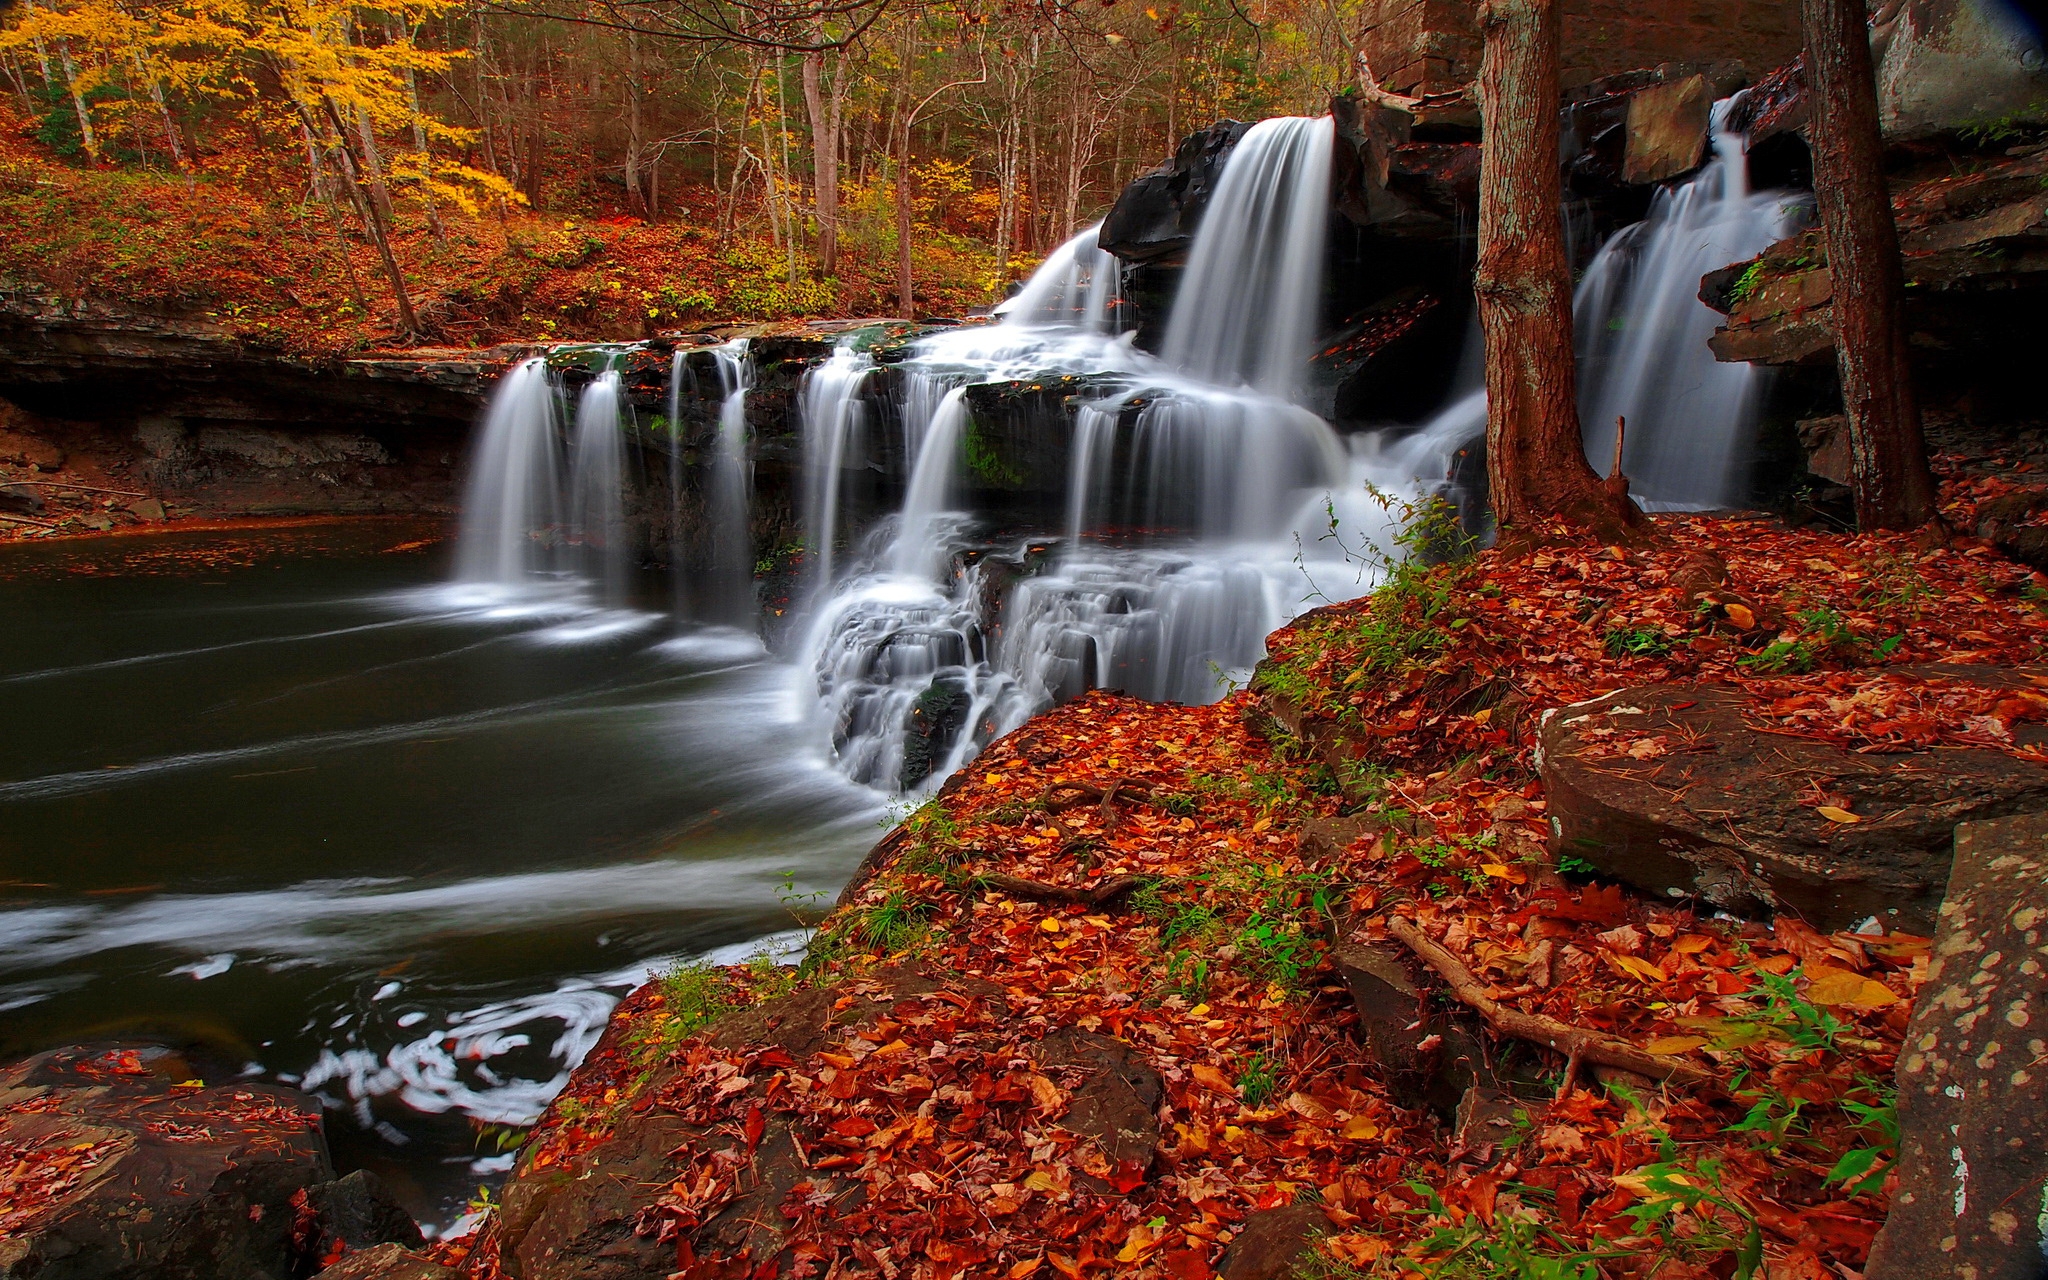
(281, 794)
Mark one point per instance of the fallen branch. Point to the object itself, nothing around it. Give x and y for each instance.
(1038, 891)
(1576, 1043)
(39, 524)
(82, 488)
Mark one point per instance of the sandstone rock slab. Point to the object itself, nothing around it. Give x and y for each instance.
(1711, 806)
(1973, 1093)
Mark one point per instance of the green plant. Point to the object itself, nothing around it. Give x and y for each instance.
(1781, 656)
(985, 459)
(1804, 1023)
(1719, 1223)
(691, 995)
(1772, 1114)
(894, 925)
(1862, 1169)
(1637, 642)
(1746, 284)
(1510, 1248)
(1258, 1082)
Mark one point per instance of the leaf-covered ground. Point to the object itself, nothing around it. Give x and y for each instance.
(1167, 877)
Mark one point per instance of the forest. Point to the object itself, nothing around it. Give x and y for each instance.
(1007, 639)
(440, 171)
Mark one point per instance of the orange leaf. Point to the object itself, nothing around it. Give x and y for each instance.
(1832, 814)
(1839, 988)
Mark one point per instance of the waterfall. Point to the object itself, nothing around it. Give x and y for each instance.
(1076, 288)
(1642, 336)
(597, 521)
(510, 505)
(1248, 301)
(730, 499)
(678, 371)
(831, 414)
(931, 484)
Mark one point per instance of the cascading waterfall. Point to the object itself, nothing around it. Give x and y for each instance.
(938, 639)
(679, 376)
(730, 499)
(511, 503)
(832, 415)
(1076, 288)
(597, 472)
(1246, 310)
(1642, 336)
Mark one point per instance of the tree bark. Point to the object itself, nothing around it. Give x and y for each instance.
(1894, 488)
(1535, 455)
(408, 322)
(824, 107)
(636, 199)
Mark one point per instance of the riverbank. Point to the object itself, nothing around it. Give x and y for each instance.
(1156, 989)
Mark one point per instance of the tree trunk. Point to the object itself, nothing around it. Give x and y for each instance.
(824, 108)
(1535, 457)
(85, 134)
(1894, 489)
(636, 199)
(905, 301)
(408, 323)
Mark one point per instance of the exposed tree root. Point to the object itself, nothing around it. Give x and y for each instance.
(1576, 1043)
(1038, 891)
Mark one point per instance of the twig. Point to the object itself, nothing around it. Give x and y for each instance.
(1038, 891)
(1576, 1043)
(39, 524)
(82, 488)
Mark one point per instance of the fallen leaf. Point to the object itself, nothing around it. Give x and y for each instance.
(1739, 614)
(1832, 814)
(1839, 988)
(1674, 1044)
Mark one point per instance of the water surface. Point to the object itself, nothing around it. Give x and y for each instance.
(280, 792)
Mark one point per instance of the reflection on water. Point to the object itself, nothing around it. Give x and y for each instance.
(280, 792)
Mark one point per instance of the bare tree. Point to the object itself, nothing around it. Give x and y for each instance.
(1894, 488)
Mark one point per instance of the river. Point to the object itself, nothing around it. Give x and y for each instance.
(282, 793)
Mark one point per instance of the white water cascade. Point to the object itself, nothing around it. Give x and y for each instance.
(832, 416)
(1642, 336)
(729, 500)
(1187, 483)
(597, 472)
(1246, 310)
(511, 503)
(1076, 288)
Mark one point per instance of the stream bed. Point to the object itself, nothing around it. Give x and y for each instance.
(282, 793)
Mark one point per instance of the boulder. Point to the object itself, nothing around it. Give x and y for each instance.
(1666, 130)
(387, 1262)
(1826, 441)
(1973, 1095)
(1672, 789)
(1155, 216)
(1271, 1241)
(1427, 1056)
(121, 1166)
(1954, 64)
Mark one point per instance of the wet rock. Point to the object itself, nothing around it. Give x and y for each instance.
(1155, 216)
(148, 510)
(1428, 1057)
(277, 450)
(1666, 130)
(1271, 1241)
(2007, 522)
(358, 1211)
(1948, 64)
(1730, 818)
(937, 719)
(387, 1262)
(1973, 1095)
(154, 1176)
